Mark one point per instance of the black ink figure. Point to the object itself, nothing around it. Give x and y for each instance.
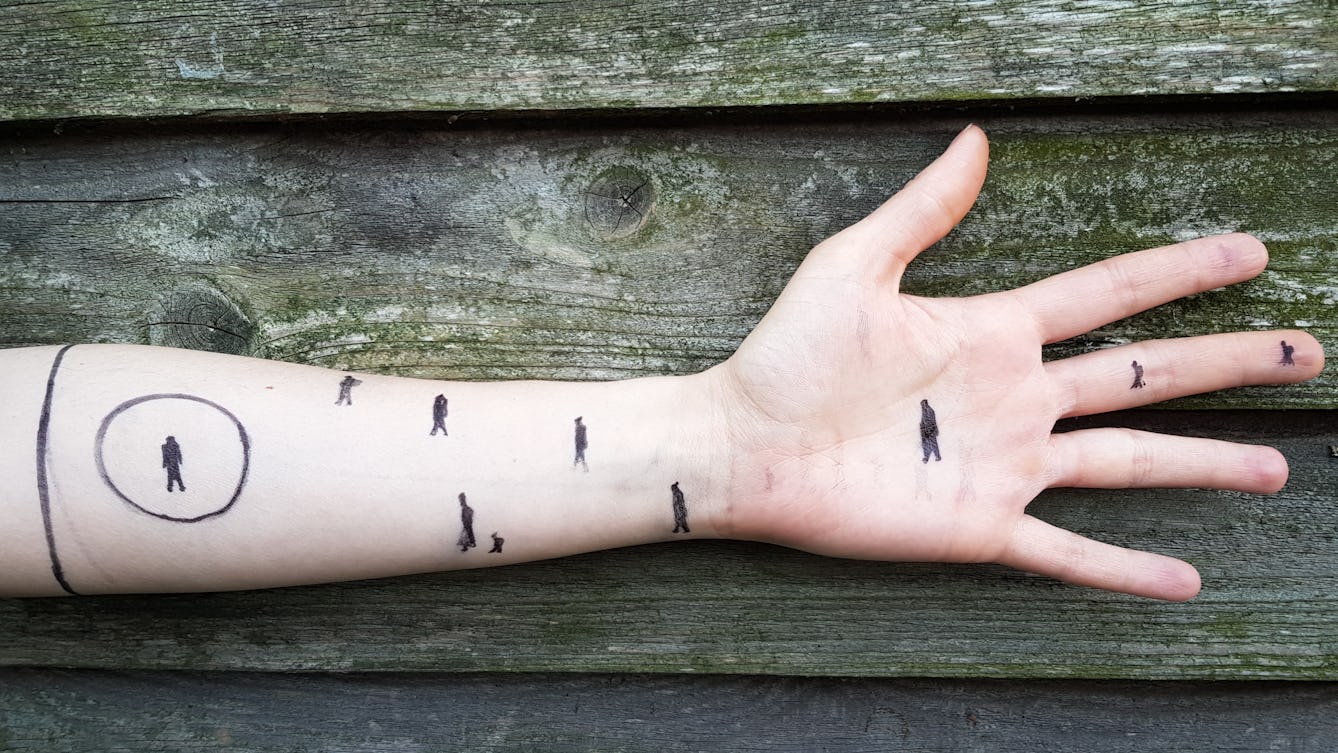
(1138, 377)
(439, 416)
(581, 444)
(928, 431)
(1287, 351)
(466, 540)
(172, 462)
(497, 542)
(346, 390)
(680, 510)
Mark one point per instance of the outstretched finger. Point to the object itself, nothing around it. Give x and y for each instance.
(1074, 302)
(926, 208)
(1156, 370)
(1117, 458)
(1041, 548)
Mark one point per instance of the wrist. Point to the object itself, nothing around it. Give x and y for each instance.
(702, 450)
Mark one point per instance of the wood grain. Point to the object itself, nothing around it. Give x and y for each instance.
(501, 253)
(151, 711)
(253, 58)
(1268, 610)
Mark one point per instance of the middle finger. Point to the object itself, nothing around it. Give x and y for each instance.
(1147, 372)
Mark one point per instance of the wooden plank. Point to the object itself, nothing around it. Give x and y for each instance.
(1268, 610)
(496, 253)
(101, 711)
(245, 58)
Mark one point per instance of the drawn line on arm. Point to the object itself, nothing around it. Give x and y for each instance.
(43, 493)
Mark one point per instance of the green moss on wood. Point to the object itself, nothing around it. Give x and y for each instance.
(249, 57)
(471, 255)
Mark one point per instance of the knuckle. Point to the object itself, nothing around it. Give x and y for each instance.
(1142, 462)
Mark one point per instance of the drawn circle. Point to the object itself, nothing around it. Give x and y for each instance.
(148, 508)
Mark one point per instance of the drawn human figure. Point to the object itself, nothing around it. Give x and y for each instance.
(346, 390)
(172, 461)
(581, 444)
(466, 540)
(928, 431)
(1138, 377)
(1287, 351)
(680, 509)
(439, 416)
(497, 542)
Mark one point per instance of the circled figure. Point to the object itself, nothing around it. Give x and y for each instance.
(220, 456)
(172, 462)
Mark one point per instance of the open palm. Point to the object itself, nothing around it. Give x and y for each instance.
(848, 393)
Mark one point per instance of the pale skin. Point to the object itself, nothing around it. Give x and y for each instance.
(808, 436)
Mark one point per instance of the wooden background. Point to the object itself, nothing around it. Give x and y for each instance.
(418, 188)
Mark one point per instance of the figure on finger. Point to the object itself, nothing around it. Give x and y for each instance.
(1138, 377)
(1287, 351)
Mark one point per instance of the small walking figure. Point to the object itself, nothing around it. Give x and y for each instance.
(497, 542)
(581, 444)
(346, 390)
(1287, 351)
(172, 462)
(928, 431)
(1138, 377)
(680, 510)
(466, 540)
(439, 416)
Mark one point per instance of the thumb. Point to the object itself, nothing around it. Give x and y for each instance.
(928, 207)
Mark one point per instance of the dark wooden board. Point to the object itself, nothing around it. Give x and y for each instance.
(244, 58)
(495, 254)
(150, 711)
(1269, 607)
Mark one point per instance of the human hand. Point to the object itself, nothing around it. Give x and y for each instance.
(842, 401)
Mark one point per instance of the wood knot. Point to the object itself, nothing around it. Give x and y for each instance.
(199, 317)
(618, 202)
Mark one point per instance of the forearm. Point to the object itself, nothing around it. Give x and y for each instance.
(279, 474)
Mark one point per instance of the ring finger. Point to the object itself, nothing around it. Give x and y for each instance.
(1116, 458)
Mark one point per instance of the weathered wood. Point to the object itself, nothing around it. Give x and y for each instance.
(495, 254)
(149, 711)
(1269, 607)
(77, 58)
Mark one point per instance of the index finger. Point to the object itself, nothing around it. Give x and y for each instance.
(1075, 302)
